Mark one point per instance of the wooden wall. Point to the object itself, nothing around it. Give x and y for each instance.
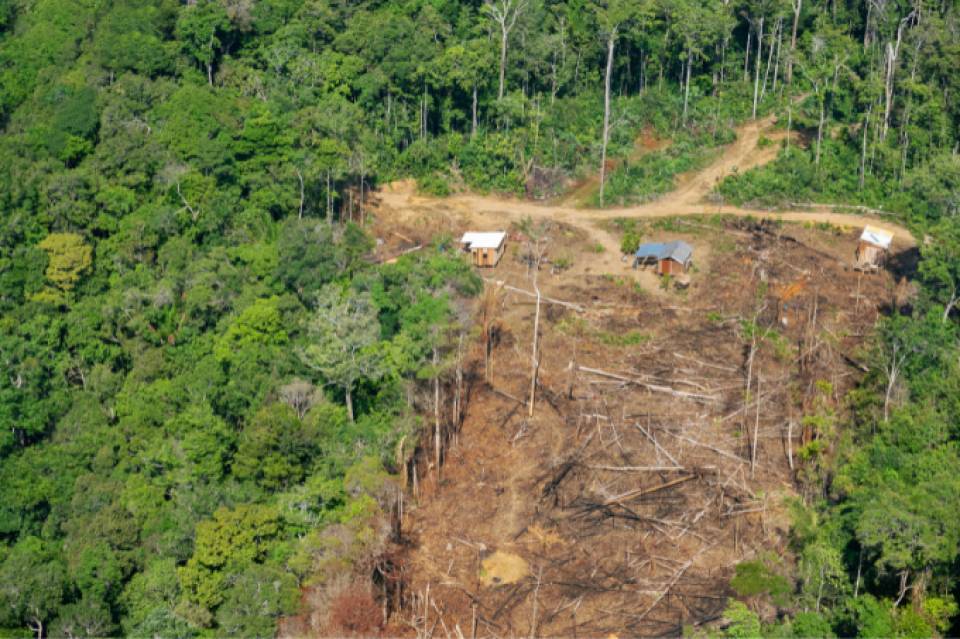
(669, 267)
(487, 257)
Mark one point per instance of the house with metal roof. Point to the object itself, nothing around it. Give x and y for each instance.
(671, 258)
(872, 248)
(486, 248)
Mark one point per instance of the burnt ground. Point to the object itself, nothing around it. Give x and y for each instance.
(666, 440)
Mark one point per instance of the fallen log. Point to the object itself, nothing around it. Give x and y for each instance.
(649, 469)
(543, 298)
(719, 451)
(506, 394)
(640, 492)
(637, 469)
(652, 387)
(707, 364)
(403, 237)
(673, 582)
(656, 444)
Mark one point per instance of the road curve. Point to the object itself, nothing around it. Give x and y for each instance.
(688, 199)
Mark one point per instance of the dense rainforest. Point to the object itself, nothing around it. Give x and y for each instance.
(208, 387)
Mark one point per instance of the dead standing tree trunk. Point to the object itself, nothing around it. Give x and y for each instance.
(897, 357)
(300, 211)
(505, 14)
(537, 241)
(797, 7)
(534, 360)
(756, 430)
(890, 70)
(458, 392)
(770, 50)
(611, 44)
(436, 411)
(756, 78)
(686, 84)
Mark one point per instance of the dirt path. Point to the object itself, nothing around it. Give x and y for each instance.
(492, 211)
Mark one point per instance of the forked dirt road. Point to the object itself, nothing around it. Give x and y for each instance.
(491, 211)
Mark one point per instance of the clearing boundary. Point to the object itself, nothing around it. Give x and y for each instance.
(687, 199)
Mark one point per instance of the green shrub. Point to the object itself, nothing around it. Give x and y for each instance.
(630, 338)
(655, 173)
(434, 184)
(562, 263)
(754, 578)
(630, 242)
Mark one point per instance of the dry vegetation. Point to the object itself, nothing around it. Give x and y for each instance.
(667, 437)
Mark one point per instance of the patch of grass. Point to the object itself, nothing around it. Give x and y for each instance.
(597, 248)
(782, 347)
(717, 220)
(670, 224)
(654, 174)
(724, 244)
(578, 327)
(562, 263)
(616, 280)
(630, 338)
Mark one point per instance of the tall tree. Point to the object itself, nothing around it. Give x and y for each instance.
(891, 61)
(32, 584)
(697, 27)
(797, 8)
(342, 336)
(200, 26)
(940, 267)
(612, 17)
(827, 52)
(504, 14)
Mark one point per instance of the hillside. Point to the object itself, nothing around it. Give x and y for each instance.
(676, 427)
(671, 437)
(251, 386)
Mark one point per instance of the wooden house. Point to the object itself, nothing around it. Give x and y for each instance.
(671, 258)
(872, 248)
(486, 249)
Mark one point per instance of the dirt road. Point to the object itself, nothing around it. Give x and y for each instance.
(688, 199)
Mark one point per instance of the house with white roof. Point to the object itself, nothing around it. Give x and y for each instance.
(486, 248)
(873, 247)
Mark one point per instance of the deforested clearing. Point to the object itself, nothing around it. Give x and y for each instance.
(670, 433)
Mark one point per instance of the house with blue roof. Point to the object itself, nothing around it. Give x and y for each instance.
(671, 258)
